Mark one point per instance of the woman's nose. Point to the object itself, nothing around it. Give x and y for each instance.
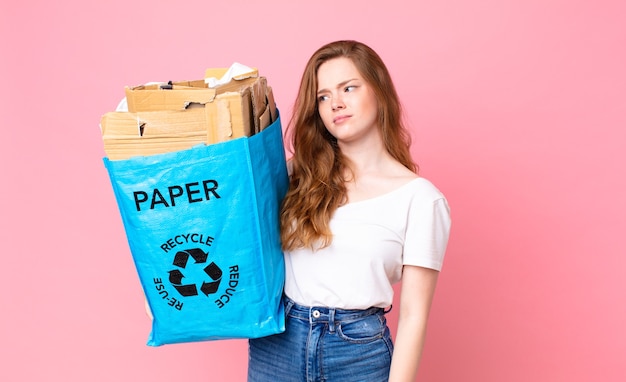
(337, 103)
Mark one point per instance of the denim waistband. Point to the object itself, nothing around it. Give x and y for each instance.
(319, 314)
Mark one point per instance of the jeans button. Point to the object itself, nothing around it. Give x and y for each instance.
(316, 313)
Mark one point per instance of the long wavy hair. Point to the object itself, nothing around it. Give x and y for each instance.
(317, 185)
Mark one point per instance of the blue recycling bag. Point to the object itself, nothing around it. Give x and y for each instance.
(202, 226)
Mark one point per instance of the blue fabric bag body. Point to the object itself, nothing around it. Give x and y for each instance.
(202, 226)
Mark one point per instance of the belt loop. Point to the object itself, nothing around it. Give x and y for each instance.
(288, 305)
(385, 311)
(331, 320)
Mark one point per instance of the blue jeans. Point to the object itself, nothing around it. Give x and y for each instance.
(324, 344)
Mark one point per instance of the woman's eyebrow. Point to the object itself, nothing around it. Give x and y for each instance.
(339, 85)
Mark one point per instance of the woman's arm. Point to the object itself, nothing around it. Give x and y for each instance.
(418, 287)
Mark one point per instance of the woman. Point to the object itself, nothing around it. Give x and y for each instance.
(356, 219)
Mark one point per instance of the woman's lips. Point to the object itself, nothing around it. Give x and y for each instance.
(341, 118)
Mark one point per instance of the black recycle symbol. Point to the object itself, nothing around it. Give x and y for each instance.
(212, 270)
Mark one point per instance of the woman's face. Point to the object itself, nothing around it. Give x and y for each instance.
(346, 103)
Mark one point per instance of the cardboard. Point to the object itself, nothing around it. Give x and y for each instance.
(167, 117)
(179, 95)
(230, 116)
(175, 97)
(127, 134)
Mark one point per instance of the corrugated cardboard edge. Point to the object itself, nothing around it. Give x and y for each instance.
(226, 116)
(176, 99)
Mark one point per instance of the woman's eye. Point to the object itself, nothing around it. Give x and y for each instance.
(322, 98)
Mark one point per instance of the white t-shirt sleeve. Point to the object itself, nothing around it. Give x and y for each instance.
(427, 232)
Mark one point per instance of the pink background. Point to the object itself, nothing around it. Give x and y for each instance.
(518, 112)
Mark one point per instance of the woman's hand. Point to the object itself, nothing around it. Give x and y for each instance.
(147, 307)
